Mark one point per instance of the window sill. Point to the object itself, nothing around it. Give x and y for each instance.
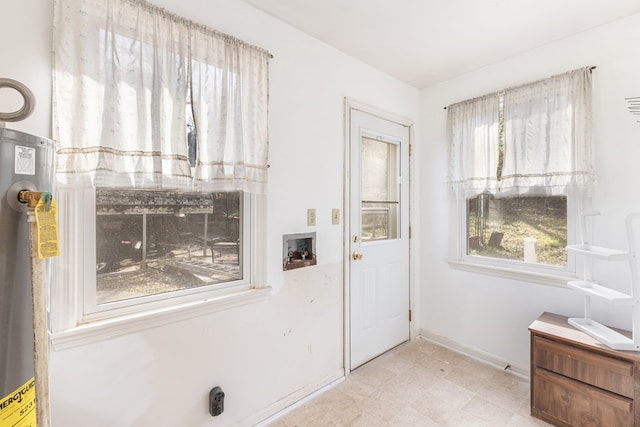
(514, 274)
(96, 331)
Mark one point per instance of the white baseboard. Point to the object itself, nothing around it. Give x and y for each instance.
(474, 353)
(309, 392)
(294, 400)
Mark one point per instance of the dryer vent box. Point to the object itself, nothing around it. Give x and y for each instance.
(299, 250)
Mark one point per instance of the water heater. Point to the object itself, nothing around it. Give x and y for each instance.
(26, 163)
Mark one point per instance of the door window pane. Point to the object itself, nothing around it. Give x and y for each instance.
(379, 190)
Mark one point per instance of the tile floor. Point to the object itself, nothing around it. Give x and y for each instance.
(420, 384)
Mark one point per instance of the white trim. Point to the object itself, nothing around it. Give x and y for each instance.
(304, 396)
(512, 273)
(294, 400)
(346, 232)
(258, 247)
(475, 354)
(352, 104)
(414, 266)
(100, 330)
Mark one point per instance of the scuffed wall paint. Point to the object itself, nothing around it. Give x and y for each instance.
(258, 353)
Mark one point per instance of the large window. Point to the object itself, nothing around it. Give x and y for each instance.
(151, 242)
(162, 166)
(528, 229)
(521, 170)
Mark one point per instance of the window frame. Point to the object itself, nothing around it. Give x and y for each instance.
(538, 273)
(93, 311)
(75, 322)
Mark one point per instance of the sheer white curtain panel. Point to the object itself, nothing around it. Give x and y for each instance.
(229, 95)
(120, 84)
(122, 75)
(473, 134)
(548, 146)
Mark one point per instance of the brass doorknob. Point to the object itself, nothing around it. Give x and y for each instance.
(357, 255)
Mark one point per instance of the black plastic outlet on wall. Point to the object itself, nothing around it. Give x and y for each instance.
(216, 401)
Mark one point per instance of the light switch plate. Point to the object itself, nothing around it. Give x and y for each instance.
(311, 217)
(335, 216)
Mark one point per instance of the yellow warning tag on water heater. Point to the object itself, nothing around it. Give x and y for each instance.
(46, 219)
(19, 408)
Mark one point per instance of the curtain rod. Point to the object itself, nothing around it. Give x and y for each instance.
(591, 68)
(189, 23)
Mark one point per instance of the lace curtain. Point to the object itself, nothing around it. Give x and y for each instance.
(229, 98)
(547, 129)
(533, 139)
(126, 77)
(473, 129)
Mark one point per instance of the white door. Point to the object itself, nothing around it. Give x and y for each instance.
(379, 236)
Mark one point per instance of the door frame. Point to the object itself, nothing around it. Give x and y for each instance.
(349, 106)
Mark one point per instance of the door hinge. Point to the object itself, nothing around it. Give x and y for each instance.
(410, 150)
(409, 315)
(409, 231)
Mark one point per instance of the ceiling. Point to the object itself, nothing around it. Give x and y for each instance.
(423, 42)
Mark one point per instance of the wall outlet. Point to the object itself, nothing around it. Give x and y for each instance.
(216, 401)
(335, 216)
(311, 217)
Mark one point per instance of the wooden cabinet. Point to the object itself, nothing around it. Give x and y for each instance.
(578, 381)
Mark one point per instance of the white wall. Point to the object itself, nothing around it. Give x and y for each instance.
(25, 49)
(488, 314)
(265, 353)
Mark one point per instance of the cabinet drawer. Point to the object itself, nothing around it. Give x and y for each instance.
(563, 401)
(592, 368)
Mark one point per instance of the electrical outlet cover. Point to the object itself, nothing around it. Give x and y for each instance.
(311, 217)
(335, 216)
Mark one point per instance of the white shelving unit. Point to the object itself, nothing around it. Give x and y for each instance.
(590, 288)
